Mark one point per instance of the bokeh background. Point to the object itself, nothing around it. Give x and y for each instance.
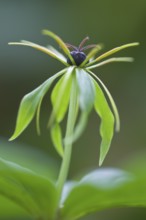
(22, 69)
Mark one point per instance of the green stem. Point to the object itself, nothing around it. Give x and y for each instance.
(68, 145)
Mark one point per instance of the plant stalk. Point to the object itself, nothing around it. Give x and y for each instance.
(67, 144)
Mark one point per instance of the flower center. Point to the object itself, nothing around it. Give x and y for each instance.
(77, 53)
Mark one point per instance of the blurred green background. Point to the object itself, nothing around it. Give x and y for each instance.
(22, 69)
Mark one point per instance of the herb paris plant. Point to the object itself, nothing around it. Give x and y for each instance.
(77, 92)
(76, 78)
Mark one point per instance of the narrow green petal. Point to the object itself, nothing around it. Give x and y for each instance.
(111, 60)
(38, 117)
(110, 52)
(91, 54)
(56, 136)
(41, 48)
(107, 121)
(60, 42)
(29, 105)
(57, 52)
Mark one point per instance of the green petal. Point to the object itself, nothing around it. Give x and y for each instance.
(57, 138)
(38, 117)
(57, 52)
(91, 54)
(107, 121)
(110, 52)
(60, 42)
(41, 48)
(29, 105)
(111, 60)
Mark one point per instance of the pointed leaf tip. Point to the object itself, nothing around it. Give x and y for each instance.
(107, 121)
(30, 104)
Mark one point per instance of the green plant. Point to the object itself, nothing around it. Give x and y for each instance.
(77, 92)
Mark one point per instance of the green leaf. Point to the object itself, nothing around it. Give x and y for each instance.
(110, 52)
(104, 189)
(29, 157)
(29, 105)
(113, 105)
(60, 42)
(34, 193)
(86, 90)
(68, 186)
(107, 121)
(106, 178)
(60, 96)
(56, 136)
(86, 101)
(41, 48)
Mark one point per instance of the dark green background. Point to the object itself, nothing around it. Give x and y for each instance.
(111, 22)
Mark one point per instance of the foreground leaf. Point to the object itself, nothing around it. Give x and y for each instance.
(29, 157)
(104, 189)
(29, 105)
(35, 194)
(10, 210)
